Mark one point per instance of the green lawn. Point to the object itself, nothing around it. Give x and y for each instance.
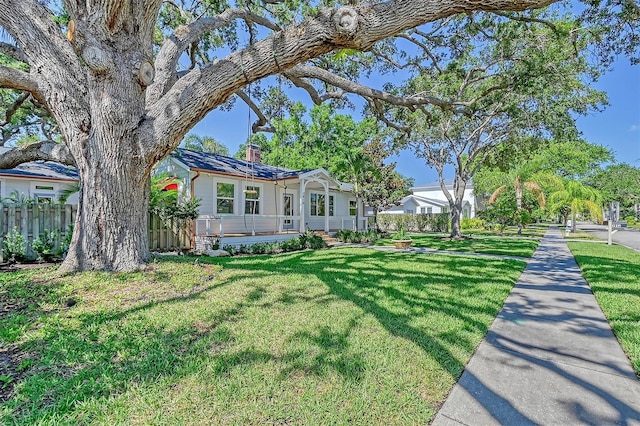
(340, 336)
(580, 235)
(613, 272)
(477, 244)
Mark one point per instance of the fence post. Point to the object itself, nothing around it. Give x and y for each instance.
(35, 222)
(24, 222)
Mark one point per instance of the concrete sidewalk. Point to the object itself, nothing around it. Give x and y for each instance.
(549, 358)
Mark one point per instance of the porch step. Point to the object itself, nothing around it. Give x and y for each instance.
(328, 239)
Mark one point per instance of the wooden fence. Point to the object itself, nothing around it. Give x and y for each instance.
(31, 220)
(165, 236)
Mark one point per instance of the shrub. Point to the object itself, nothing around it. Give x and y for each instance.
(357, 237)
(472, 223)
(310, 240)
(230, 249)
(441, 222)
(384, 221)
(14, 246)
(44, 245)
(631, 220)
(66, 241)
(291, 245)
(401, 235)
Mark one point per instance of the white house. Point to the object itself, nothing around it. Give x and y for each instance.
(38, 181)
(245, 201)
(431, 199)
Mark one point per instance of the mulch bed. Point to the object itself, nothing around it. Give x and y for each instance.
(13, 267)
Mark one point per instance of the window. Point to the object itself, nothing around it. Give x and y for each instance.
(317, 204)
(252, 200)
(430, 210)
(44, 188)
(353, 208)
(423, 210)
(409, 211)
(225, 196)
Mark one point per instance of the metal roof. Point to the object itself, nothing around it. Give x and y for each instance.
(42, 169)
(232, 166)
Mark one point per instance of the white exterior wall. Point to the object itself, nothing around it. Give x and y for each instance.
(271, 195)
(436, 193)
(30, 188)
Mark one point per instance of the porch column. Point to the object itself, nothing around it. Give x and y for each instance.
(301, 210)
(326, 206)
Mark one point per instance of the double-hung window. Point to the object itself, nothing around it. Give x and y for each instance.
(225, 197)
(353, 208)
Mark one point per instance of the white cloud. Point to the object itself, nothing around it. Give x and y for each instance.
(634, 128)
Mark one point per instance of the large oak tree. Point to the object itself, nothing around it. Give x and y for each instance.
(121, 105)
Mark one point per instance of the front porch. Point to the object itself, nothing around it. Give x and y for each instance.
(236, 230)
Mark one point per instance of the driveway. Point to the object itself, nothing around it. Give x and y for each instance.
(624, 236)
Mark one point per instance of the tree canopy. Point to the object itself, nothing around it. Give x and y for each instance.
(504, 82)
(205, 144)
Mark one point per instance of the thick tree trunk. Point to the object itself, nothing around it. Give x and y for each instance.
(456, 217)
(459, 185)
(111, 227)
(114, 169)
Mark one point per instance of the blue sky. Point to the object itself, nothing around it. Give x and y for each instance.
(617, 127)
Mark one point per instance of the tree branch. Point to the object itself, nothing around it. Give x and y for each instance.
(12, 51)
(39, 151)
(313, 93)
(183, 37)
(37, 35)
(521, 18)
(14, 107)
(377, 108)
(260, 125)
(15, 79)
(425, 49)
(352, 87)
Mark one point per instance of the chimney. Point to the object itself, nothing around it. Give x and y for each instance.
(253, 153)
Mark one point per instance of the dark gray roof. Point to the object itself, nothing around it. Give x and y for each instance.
(232, 166)
(42, 169)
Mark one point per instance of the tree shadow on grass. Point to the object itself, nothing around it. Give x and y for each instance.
(395, 297)
(79, 362)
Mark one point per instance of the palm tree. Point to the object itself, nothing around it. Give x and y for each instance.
(515, 181)
(575, 197)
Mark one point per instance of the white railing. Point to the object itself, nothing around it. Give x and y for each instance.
(245, 224)
(317, 223)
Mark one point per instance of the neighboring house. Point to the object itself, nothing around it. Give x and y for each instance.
(38, 181)
(241, 198)
(431, 199)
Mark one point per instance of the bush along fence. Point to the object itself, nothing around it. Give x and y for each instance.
(423, 222)
(42, 231)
